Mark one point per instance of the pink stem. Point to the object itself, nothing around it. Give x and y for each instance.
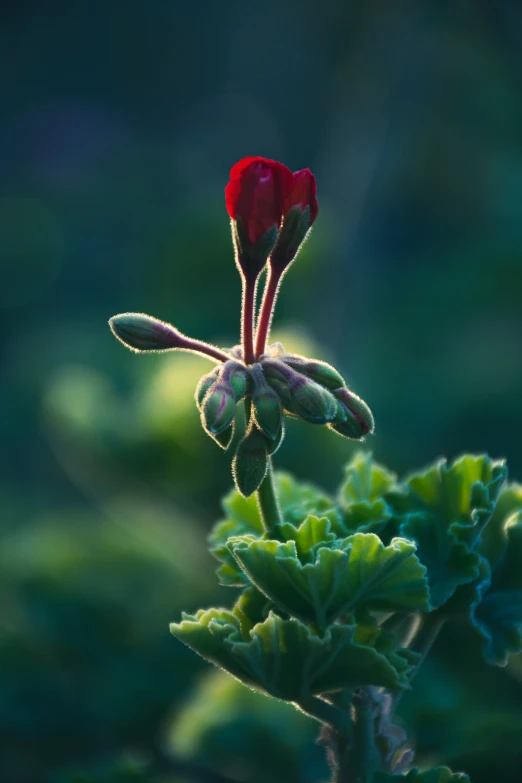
(247, 318)
(267, 310)
(204, 349)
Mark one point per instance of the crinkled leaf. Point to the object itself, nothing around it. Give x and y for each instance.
(296, 499)
(299, 499)
(498, 616)
(252, 607)
(444, 509)
(358, 573)
(284, 658)
(436, 775)
(449, 562)
(460, 496)
(361, 496)
(493, 539)
(310, 535)
(466, 597)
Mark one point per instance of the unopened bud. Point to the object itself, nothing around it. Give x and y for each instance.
(218, 409)
(314, 403)
(320, 372)
(235, 374)
(273, 445)
(279, 384)
(224, 439)
(250, 462)
(141, 332)
(267, 407)
(358, 417)
(204, 384)
(300, 395)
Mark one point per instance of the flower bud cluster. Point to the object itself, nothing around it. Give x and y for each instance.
(278, 384)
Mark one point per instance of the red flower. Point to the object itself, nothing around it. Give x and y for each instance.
(302, 194)
(255, 195)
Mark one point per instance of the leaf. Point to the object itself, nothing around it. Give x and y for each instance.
(299, 499)
(311, 534)
(467, 596)
(284, 658)
(251, 608)
(444, 509)
(358, 573)
(361, 495)
(436, 775)
(462, 494)
(498, 615)
(449, 562)
(493, 539)
(296, 499)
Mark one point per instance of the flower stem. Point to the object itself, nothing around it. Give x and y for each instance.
(267, 310)
(247, 318)
(203, 349)
(267, 500)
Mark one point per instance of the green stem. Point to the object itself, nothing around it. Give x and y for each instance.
(267, 500)
(326, 713)
(425, 638)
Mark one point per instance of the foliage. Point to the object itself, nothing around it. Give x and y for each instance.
(320, 612)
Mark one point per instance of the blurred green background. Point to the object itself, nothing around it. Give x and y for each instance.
(120, 122)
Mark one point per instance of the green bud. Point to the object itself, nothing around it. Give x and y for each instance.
(313, 402)
(141, 332)
(204, 384)
(224, 439)
(237, 377)
(320, 372)
(279, 384)
(274, 444)
(250, 462)
(218, 408)
(358, 420)
(267, 407)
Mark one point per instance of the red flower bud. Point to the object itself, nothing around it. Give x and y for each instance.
(255, 194)
(254, 198)
(302, 194)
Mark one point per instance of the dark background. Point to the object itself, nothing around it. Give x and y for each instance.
(119, 123)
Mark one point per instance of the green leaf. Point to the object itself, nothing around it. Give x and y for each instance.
(460, 495)
(436, 775)
(449, 562)
(297, 501)
(251, 608)
(498, 618)
(493, 540)
(311, 534)
(444, 509)
(358, 573)
(498, 615)
(284, 658)
(467, 596)
(361, 495)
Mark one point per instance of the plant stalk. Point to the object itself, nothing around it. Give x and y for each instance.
(247, 318)
(267, 500)
(267, 310)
